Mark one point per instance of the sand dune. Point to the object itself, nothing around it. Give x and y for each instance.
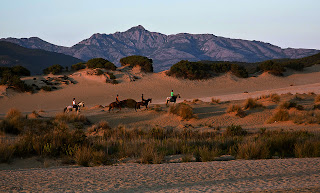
(94, 91)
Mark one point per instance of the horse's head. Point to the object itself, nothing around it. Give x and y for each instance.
(81, 104)
(179, 95)
(150, 100)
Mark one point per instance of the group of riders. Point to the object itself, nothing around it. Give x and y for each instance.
(74, 104)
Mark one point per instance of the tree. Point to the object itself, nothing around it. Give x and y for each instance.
(101, 63)
(54, 69)
(144, 62)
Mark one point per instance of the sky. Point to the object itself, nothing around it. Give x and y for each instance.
(285, 23)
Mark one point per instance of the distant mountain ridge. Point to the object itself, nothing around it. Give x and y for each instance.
(166, 50)
(34, 60)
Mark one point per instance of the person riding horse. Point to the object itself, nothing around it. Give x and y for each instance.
(143, 100)
(172, 94)
(117, 99)
(74, 104)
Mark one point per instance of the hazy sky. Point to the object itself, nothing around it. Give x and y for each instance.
(285, 23)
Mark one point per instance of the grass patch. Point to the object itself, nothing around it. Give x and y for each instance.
(279, 115)
(237, 110)
(251, 103)
(215, 101)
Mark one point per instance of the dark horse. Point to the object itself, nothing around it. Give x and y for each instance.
(172, 99)
(115, 104)
(143, 103)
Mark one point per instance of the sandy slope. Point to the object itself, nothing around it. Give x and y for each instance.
(295, 175)
(93, 90)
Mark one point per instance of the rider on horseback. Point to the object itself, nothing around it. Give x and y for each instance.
(172, 94)
(117, 99)
(74, 104)
(142, 99)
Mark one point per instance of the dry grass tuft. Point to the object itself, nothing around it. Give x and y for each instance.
(13, 114)
(237, 110)
(196, 100)
(289, 105)
(251, 103)
(83, 156)
(71, 117)
(253, 150)
(34, 115)
(215, 100)
(275, 98)
(6, 152)
(317, 99)
(183, 110)
(279, 115)
(99, 127)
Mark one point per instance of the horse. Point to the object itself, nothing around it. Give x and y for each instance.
(172, 99)
(143, 103)
(70, 107)
(115, 104)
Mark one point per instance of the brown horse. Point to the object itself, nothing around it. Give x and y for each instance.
(143, 103)
(115, 104)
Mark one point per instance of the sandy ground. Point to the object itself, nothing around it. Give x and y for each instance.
(94, 91)
(295, 175)
(281, 175)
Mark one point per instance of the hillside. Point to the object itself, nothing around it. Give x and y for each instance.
(166, 50)
(33, 59)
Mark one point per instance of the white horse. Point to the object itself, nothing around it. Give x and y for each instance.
(71, 108)
(172, 99)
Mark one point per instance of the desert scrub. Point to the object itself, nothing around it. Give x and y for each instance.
(289, 105)
(237, 110)
(254, 149)
(279, 115)
(309, 148)
(275, 98)
(101, 126)
(317, 99)
(183, 110)
(71, 117)
(306, 117)
(83, 156)
(13, 122)
(251, 103)
(6, 152)
(235, 130)
(215, 100)
(207, 154)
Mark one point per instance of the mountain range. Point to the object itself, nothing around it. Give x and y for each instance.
(166, 50)
(34, 60)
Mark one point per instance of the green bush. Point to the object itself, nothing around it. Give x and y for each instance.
(78, 66)
(101, 63)
(235, 130)
(54, 69)
(15, 82)
(144, 62)
(272, 67)
(202, 70)
(46, 88)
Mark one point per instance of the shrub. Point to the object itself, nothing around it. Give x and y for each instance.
(46, 88)
(99, 72)
(111, 75)
(13, 114)
(15, 82)
(144, 62)
(239, 71)
(279, 115)
(101, 63)
(83, 156)
(150, 155)
(78, 66)
(250, 103)
(289, 105)
(254, 150)
(215, 100)
(101, 126)
(295, 65)
(54, 69)
(207, 154)
(309, 148)
(275, 98)
(236, 109)
(190, 70)
(272, 67)
(71, 117)
(317, 99)
(20, 71)
(183, 110)
(100, 157)
(235, 130)
(6, 152)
